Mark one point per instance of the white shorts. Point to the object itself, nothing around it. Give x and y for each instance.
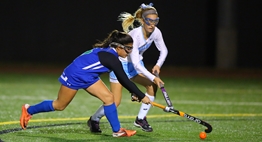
(129, 70)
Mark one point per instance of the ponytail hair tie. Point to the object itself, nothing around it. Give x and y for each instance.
(151, 4)
(143, 6)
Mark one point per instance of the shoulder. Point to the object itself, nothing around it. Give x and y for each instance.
(157, 31)
(107, 58)
(157, 34)
(135, 32)
(108, 52)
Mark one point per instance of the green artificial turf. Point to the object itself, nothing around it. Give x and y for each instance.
(233, 106)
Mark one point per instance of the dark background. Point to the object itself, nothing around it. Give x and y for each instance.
(56, 31)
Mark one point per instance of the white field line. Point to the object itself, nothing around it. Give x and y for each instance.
(130, 117)
(18, 97)
(209, 103)
(218, 103)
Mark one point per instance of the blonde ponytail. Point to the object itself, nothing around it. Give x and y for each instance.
(127, 21)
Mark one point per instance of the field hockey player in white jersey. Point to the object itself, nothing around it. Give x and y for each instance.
(143, 36)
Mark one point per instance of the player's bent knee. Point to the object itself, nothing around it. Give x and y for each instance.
(60, 108)
(117, 103)
(108, 99)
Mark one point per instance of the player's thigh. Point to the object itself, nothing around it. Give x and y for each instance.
(65, 96)
(116, 89)
(100, 90)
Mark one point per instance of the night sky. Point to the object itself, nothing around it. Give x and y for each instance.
(56, 31)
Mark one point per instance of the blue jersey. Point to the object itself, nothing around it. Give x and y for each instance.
(89, 62)
(85, 69)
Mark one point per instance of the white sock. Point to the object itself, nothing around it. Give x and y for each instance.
(98, 114)
(145, 108)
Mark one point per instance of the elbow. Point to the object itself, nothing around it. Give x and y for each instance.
(136, 67)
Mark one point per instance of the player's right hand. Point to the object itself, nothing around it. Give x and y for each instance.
(146, 100)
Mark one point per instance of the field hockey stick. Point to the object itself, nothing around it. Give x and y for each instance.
(185, 115)
(163, 90)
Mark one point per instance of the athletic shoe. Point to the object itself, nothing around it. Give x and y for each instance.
(94, 126)
(124, 133)
(25, 116)
(142, 123)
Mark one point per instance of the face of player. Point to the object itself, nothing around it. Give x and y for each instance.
(150, 22)
(123, 52)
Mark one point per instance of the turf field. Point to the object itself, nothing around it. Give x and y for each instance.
(233, 106)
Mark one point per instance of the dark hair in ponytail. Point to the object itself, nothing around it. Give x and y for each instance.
(115, 36)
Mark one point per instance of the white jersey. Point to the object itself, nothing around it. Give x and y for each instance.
(140, 45)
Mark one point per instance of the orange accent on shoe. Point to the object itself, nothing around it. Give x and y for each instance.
(130, 132)
(25, 116)
(124, 133)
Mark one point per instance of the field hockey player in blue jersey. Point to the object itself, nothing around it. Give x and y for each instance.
(84, 72)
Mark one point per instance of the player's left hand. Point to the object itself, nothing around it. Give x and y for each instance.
(156, 69)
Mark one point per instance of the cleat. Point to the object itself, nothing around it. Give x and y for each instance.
(94, 126)
(25, 116)
(124, 133)
(142, 123)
